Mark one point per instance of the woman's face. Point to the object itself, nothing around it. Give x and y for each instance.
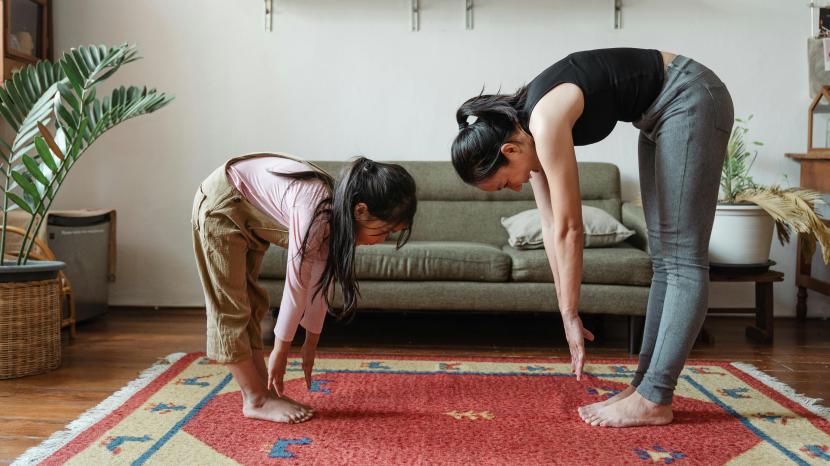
(521, 160)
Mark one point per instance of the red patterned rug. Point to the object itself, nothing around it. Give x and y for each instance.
(397, 410)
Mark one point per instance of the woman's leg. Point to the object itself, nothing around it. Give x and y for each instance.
(690, 146)
(657, 292)
(659, 280)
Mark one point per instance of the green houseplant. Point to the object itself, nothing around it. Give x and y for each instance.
(55, 114)
(747, 211)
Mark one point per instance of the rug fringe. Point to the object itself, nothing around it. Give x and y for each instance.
(811, 404)
(57, 440)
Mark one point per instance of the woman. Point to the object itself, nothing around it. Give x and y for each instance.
(258, 199)
(684, 114)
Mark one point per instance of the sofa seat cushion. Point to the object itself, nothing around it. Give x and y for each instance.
(619, 265)
(433, 260)
(418, 261)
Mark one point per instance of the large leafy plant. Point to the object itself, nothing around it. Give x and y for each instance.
(791, 208)
(739, 159)
(55, 114)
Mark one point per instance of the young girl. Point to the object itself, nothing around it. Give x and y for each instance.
(684, 114)
(258, 199)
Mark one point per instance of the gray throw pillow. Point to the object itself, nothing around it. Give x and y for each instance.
(601, 230)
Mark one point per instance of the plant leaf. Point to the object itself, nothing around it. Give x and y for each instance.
(50, 141)
(68, 96)
(34, 170)
(20, 203)
(24, 183)
(45, 154)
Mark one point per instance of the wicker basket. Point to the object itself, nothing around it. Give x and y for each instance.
(30, 323)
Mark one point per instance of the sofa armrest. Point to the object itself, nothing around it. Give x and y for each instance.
(634, 218)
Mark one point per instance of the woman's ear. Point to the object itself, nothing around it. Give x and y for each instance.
(361, 212)
(510, 150)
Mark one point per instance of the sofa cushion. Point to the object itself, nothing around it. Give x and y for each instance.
(433, 260)
(418, 260)
(619, 265)
(600, 229)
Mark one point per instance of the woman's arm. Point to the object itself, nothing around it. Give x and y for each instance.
(541, 193)
(551, 124)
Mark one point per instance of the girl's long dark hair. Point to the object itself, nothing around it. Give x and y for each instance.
(388, 190)
(476, 150)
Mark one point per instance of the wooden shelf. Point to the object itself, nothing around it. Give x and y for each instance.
(15, 58)
(815, 174)
(800, 157)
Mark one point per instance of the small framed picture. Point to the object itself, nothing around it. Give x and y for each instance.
(824, 22)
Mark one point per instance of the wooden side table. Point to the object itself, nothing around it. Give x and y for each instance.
(815, 174)
(762, 331)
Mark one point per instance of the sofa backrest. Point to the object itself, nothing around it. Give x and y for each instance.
(450, 210)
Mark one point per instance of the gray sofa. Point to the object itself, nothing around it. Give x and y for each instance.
(458, 258)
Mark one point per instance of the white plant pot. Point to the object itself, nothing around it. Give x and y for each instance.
(741, 235)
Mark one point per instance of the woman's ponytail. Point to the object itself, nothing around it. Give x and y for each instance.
(476, 150)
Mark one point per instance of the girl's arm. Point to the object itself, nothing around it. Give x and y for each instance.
(551, 124)
(300, 303)
(301, 276)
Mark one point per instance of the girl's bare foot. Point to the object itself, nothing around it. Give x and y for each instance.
(271, 408)
(588, 412)
(632, 411)
(259, 363)
(301, 405)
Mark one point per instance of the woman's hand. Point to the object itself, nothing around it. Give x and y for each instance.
(576, 335)
(309, 352)
(276, 366)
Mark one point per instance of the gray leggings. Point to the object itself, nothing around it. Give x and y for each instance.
(683, 137)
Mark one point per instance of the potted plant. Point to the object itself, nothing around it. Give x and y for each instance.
(54, 114)
(747, 211)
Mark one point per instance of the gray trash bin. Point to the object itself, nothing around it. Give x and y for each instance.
(82, 242)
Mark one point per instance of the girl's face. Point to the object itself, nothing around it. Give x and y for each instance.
(374, 232)
(371, 230)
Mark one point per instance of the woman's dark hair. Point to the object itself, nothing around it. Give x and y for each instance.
(476, 150)
(388, 190)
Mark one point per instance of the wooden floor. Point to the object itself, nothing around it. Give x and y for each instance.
(110, 351)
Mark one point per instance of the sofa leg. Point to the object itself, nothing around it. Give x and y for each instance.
(636, 326)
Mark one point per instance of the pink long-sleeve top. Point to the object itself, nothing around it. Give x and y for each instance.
(292, 205)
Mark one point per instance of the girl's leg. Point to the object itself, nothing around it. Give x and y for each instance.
(259, 362)
(220, 256)
(690, 146)
(258, 297)
(260, 403)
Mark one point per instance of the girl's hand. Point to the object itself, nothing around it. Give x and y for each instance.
(576, 335)
(276, 366)
(309, 353)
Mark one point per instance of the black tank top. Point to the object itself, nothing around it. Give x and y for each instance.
(617, 85)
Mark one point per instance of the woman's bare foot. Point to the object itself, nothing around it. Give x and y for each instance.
(632, 411)
(588, 412)
(271, 408)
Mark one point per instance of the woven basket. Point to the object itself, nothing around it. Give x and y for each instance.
(30, 327)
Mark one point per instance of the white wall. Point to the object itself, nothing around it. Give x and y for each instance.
(337, 78)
